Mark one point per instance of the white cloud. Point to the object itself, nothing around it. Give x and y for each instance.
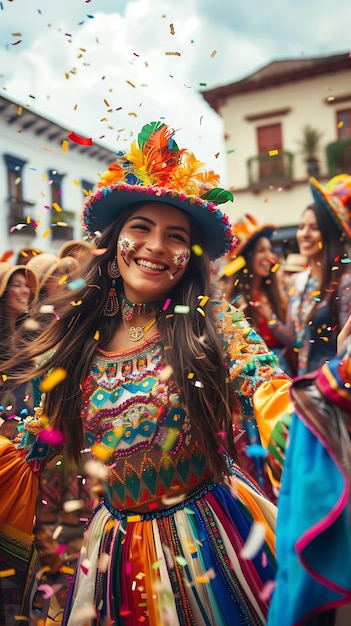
(128, 41)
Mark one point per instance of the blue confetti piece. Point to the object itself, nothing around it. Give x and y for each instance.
(256, 450)
(76, 284)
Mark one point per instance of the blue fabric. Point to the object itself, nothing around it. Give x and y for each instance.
(311, 487)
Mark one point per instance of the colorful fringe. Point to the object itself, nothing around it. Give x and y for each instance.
(181, 567)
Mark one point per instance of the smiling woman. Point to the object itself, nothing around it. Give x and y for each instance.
(156, 365)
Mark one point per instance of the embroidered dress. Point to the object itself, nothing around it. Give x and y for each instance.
(316, 338)
(164, 545)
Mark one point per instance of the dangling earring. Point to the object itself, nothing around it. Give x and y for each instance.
(111, 307)
(113, 269)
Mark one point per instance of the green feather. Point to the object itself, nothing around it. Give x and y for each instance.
(146, 131)
(218, 196)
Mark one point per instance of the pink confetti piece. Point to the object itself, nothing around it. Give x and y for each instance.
(267, 590)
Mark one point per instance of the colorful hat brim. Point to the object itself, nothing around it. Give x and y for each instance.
(264, 231)
(333, 206)
(105, 205)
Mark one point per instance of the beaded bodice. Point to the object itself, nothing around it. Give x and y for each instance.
(134, 421)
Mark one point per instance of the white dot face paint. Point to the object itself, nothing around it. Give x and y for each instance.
(126, 245)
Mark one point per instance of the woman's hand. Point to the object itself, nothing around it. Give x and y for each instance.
(344, 334)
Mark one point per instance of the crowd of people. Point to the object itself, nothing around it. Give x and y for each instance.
(149, 395)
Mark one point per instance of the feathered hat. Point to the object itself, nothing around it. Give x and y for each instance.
(156, 170)
(335, 198)
(248, 231)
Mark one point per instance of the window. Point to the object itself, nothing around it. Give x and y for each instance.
(269, 142)
(55, 182)
(16, 203)
(343, 122)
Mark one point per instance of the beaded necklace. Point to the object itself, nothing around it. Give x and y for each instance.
(129, 309)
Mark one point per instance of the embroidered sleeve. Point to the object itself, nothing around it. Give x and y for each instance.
(248, 359)
(36, 441)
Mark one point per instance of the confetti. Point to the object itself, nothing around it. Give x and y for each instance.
(96, 469)
(7, 572)
(171, 29)
(267, 590)
(182, 309)
(47, 590)
(51, 436)
(166, 304)
(52, 380)
(132, 85)
(213, 54)
(134, 518)
(65, 145)
(46, 308)
(234, 266)
(176, 54)
(256, 450)
(170, 439)
(83, 141)
(165, 373)
(273, 152)
(197, 250)
(73, 505)
(76, 284)
(254, 541)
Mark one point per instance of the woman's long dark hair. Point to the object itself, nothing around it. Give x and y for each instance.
(334, 249)
(269, 287)
(72, 337)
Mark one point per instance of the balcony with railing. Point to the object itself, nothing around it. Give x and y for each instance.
(265, 170)
(20, 217)
(61, 226)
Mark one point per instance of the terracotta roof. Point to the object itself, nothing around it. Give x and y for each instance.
(277, 73)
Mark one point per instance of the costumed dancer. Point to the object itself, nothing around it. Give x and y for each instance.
(148, 370)
(313, 527)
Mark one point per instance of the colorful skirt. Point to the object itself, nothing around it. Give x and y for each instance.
(178, 567)
(18, 558)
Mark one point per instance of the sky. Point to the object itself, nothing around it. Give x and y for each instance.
(103, 68)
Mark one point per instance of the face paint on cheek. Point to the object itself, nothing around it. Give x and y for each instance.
(125, 245)
(179, 260)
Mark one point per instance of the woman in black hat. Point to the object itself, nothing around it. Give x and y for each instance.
(148, 371)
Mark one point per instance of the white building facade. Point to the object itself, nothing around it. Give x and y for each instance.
(44, 179)
(264, 119)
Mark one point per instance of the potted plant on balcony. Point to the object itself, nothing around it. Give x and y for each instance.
(309, 145)
(62, 225)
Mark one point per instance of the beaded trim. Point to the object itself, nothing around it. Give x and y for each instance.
(120, 514)
(128, 352)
